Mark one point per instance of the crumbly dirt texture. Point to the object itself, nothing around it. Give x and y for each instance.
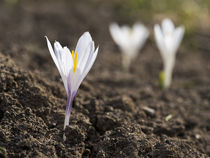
(115, 114)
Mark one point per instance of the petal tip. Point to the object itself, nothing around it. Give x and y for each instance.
(87, 33)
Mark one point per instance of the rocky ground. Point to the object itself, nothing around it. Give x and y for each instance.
(115, 113)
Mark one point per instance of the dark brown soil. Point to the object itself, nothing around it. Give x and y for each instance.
(115, 114)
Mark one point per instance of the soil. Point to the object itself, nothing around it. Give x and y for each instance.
(115, 113)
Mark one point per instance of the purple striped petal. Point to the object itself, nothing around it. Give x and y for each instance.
(70, 99)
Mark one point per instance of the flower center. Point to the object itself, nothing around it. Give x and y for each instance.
(169, 33)
(131, 32)
(74, 57)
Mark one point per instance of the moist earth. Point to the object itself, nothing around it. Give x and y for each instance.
(115, 113)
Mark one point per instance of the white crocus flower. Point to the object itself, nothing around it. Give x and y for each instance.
(73, 67)
(130, 40)
(168, 39)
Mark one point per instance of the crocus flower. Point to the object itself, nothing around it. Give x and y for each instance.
(73, 67)
(168, 39)
(129, 40)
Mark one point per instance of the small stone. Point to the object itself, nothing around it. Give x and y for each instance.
(167, 118)
(149, 111)
(197, 136)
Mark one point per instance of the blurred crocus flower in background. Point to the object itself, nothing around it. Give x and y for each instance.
(73, 67)
(11, 2)
(168, 39)
(129, 40)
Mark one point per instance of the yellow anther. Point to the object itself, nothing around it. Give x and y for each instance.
(74, 57)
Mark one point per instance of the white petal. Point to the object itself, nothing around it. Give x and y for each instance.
(126, 36)
(178, 36)
(58, 51)
(114, 31)
(72, 78)
(140, 34)
(67, 66)
(85, 55)
(82, 44)
(90, 63)
(126, 31)
(117, 34)
(52, 53)
(63, 70)
(58, 48)
(159, 38)
(68, 61)
(75, 78)
(64, 79)
(167, 26)
(88, 52)
(57, 62)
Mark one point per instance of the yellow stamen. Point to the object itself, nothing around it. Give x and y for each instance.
(74, 57)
